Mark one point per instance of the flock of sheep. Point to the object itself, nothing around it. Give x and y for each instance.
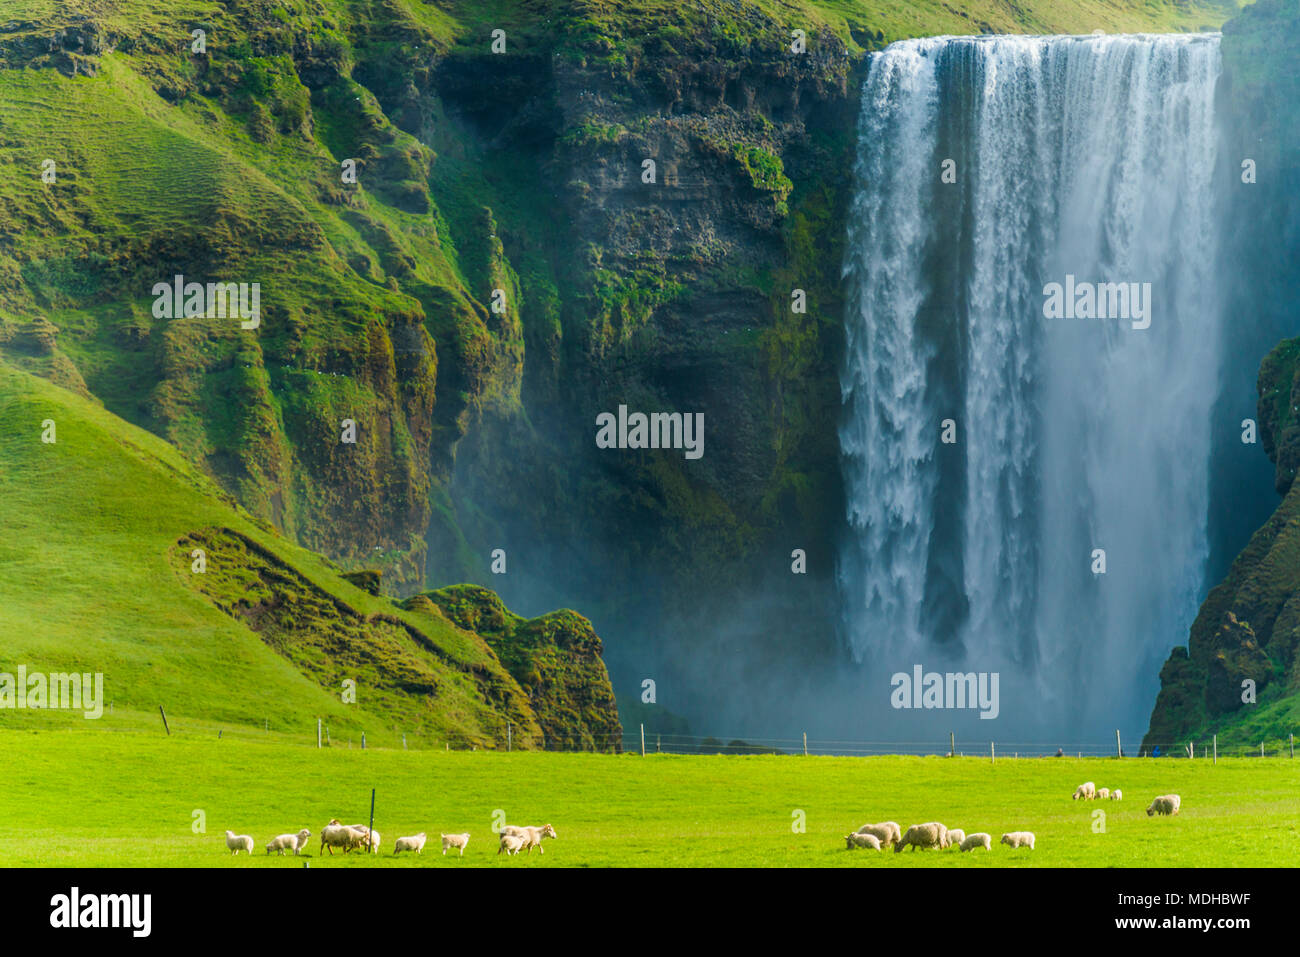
(936, 835)
(513, 839)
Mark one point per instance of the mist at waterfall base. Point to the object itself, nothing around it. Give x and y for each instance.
(1090, 157)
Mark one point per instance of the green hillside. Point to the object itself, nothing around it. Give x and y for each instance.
(97, 574)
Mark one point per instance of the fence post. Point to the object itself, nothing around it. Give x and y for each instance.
(1191, 746)
(403, 742)
(266, 725)
(510, 741)
(805, 744)
(643, 739)
(318, 732)
(952, 744)
(363, 740)
(370, 836)
(1261, 749)
(993, 752)
(164, 717)
(1216, 749)
(656, 743)
(1293, 744)
(1119, 750)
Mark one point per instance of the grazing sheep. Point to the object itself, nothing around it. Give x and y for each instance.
(884, 832)
(1103, 794)
(954, 837)
(1018, 839)
(1165, 804)
(973, 841)
(1085, 791)
(454, 840)
(415, 843)
(238, 842)
(532, 835)
(510, 843)
(368, 837)
(858, 839)
(335, 835)
(289, 842)
(932, 834)
(1117, 795)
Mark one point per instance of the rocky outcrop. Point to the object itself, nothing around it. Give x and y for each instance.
(555, 658)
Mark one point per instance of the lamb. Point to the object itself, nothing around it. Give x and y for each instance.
(973, 841)
(885, 832)
(1165, 804)
(454, 840)
(368, 837)
(932, 834)
(954, 837)
(238, 842)
(1085, 791)
(1018, 839)
(415, 843)
(858, 839)
(289, 842)
(532, 836)
(1103, 794)
(510, 843)
(1117, 795)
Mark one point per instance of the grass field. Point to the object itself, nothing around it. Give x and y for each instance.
(102, 799)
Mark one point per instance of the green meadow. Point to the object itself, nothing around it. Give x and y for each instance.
(83, 798)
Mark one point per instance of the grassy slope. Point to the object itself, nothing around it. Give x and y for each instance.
(90, 578)
(620, 811)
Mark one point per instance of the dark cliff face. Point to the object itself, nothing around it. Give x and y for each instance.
(1249, 625)
(673, 295)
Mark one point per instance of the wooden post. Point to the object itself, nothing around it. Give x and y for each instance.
(318, 732)
(1293, 744)
(952, 744)
(164, 717)
(403, 742)
(805, 744)
(643, 739)
(266, 722)
(1191, 749)
(1261, 749)
(1119, 751)
(510, 745)
(1216, 749)
(993, 752)
(363, 740)
(371, 833)
(656, 743)
(327, 736)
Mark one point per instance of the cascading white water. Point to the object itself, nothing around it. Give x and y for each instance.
(1084, 156)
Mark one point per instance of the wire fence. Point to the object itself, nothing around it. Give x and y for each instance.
(637, 739)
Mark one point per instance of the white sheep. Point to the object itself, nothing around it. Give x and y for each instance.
(884, 832)
(510, 843)
(1103, 794)
(954, 837)
(1165, 804)
(238, 842)
(1018, 839)
(368, 837)
(335, 835)
(532, 836)
(289, 842)
(454, 840)
(973, 841)
(414, 843)
(859, 839)
(1085, 791)
(1117, 795)
(932, 834)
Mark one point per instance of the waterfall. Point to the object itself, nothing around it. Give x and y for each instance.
(987, 169)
